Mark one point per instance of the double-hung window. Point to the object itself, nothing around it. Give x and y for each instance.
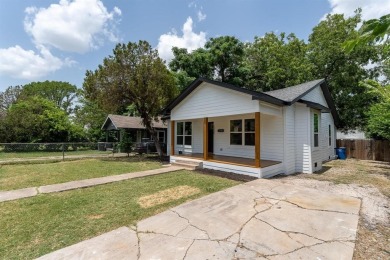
(330, 135)
(242, 130)
(315, 129)
(184, 133)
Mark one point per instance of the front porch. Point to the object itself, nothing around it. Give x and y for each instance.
(239, 161)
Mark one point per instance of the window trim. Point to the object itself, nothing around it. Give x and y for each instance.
(330, 136)
(242, 132)
(315, 113)
(235, 132)
(184, 135)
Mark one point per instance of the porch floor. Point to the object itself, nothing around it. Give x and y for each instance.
(230, 160)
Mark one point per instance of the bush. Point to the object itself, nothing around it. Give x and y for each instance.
(126, 144)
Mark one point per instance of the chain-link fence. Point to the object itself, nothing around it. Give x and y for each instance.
(68, 150)
(33, 150)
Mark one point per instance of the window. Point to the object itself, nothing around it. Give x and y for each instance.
(184, 133)
(249, 132)
(238, 133)
(315, 129)
(330, 135)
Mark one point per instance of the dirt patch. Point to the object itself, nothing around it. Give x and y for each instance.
(95, 216)
(367, 180)
(167, 195)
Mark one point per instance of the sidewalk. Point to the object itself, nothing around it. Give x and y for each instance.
(33, 191)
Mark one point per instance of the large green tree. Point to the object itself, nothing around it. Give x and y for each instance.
(342, 70)
(36, 119)
(134, 74)
(275, 62)
(220, 59)
(63, 94)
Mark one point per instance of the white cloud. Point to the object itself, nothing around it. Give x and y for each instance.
(189, 40)
(73, 26)
(201, 16)
(371, 8)
(17, 62)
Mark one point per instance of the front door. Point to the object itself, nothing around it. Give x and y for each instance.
(211, 137)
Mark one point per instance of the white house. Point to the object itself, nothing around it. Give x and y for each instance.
(219, 126)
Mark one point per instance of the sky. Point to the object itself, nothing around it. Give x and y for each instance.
(62, 39)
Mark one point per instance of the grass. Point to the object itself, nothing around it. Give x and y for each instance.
(359, 172)
(19, 155)
(35, 226)
(38, 174)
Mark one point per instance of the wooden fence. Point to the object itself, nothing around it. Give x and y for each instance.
(366, 149)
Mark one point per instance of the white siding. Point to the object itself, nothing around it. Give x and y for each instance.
(271, 142)
(289, 139)
(208, 100)
(316, 95)
(197, 136)
(302, 139)
(222, 139)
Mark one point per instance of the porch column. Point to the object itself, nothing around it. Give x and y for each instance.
(257, 139)
(172, 137)
(205, 138)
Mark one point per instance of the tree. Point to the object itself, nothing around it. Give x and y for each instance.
(343, 71)
(134, 74)
(90, 117)
(36, 119)
(275, 62)
(126, 144)
(226, 53)
(9, 97)
(372, 31)
(378, 125)
(62, 94)
(220, 59)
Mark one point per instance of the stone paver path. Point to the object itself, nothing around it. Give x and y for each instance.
(33, 191)
(262, 219)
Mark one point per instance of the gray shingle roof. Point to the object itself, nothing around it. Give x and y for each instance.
(130, 122)
(292, 94)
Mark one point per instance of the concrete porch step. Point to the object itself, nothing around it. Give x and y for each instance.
(190, 165)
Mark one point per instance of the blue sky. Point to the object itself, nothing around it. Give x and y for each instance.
(61, 39)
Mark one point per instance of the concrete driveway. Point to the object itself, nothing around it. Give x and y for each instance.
(262, 219)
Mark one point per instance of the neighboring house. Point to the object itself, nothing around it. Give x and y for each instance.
(351, 134)
(133, 126)
(224, 127)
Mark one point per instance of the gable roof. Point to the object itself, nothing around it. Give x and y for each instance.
(129, 122)
(196, 83)
(294, 93)
(281, 97)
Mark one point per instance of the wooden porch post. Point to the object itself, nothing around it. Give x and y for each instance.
(172, 137)
(205, 138)
(257, 139)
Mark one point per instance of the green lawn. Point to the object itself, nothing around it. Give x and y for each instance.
(35, 226)
(15, 155)
(32, 175)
